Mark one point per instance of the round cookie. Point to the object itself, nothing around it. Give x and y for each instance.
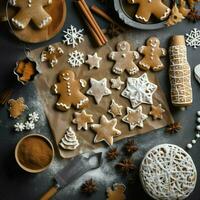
(168, 172)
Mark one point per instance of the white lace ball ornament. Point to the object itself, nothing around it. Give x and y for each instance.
(167, 172)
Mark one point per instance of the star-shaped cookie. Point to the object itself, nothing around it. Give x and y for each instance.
(116, 83)
(139, 90)
(157, 112)
(93, 61)
(115, 109)
(135, 117)
(105, 131)
(98, 89)
(82, 120)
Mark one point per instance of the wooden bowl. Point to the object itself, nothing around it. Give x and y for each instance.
(46, 140)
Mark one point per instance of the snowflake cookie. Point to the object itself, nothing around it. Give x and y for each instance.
(30, 10)
(29, 125)
(93, 61)
(98, 89)
(82, 120)
(19, 127)
(116, 83)
(106, 130)
(139, 90)
(73, 36)
(33, 117)
(124, 59)
(193, 38)
(51, 55)
(135, 118)
(76, 58)
(115, 109)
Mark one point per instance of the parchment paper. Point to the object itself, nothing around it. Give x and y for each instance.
(60, 121)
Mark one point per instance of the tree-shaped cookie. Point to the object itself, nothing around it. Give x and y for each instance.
(124, 59)
(68, 89)
(31, 10)
(147, 8)
(69, 141)
(152, 53)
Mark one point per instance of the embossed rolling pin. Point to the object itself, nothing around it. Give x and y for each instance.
(179, 73)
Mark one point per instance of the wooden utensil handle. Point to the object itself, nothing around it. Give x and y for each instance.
(51, 192)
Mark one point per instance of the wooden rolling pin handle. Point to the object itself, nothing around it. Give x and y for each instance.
(51, 192)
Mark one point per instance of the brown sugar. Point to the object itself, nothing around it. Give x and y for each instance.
(34, 153)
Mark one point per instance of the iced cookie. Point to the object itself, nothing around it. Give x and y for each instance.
(93, 61)
(51, 55)
(68, 89)
(82, 120)
(98, 89)
(16, 107)
(147, 8)
(124, 59)
(139, 90)
(115, 109)
(106, 130)
(31, 10)
(135, 118)
(116, 83)
(152, 53)
(69, 141)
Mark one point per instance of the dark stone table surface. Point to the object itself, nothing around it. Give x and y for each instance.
(18, 185)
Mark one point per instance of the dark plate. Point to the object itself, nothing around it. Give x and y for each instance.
(126, 14)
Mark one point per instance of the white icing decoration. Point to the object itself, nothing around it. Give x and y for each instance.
(167, 172)
(18, 24)
(166, 14)
(139, 90)
(34, 117)
(193, 38)
(82, 101)
(19, 127)
(76, 58)
(63, 105)
(44, 22)
(73, 36)
(29, 125)
(141, 18)
(69, 141)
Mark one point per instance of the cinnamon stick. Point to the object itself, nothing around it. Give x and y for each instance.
(87, 13)
(102, 13)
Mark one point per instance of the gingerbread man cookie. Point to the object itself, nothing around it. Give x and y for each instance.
(152, 53)
(31, 10)
(68, 89)
(147, 8)
(124, 59)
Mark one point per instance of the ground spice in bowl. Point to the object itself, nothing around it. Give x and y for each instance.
(34, 153)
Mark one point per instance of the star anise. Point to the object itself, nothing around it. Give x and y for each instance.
(112, 154)
(89, 186)
(113, 30)
(173, 128)
(130, 147)
(125, 166)
(193, 15)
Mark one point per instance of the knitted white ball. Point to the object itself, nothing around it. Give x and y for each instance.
(167, 172)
